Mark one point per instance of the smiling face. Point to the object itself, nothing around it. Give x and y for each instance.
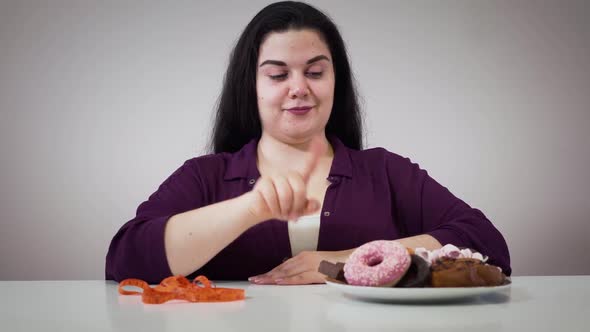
(294, 85)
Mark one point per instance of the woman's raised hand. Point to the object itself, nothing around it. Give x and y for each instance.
(285, 196)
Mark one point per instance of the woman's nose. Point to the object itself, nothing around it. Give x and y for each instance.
(299, 92)
(299, 88)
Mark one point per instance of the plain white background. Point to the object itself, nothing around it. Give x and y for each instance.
(101, 100)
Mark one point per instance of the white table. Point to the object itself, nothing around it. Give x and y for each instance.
(533, 304)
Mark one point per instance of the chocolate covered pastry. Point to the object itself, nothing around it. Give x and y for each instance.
(333, 271)
(418, 274)
(465, 272)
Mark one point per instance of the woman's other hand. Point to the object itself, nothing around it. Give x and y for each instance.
(301, 269)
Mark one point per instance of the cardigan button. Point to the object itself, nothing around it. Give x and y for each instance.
(326, 213)
(334, 179)
(252, 182)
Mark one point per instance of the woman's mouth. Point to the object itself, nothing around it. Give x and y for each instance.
(299, 110)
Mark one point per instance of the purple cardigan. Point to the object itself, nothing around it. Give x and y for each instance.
(374, 194)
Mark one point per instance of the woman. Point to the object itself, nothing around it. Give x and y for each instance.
(288, 185)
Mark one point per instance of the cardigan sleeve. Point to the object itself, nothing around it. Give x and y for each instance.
(424, 206)
(137, 250)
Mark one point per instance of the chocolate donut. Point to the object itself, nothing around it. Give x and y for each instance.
(418, 274)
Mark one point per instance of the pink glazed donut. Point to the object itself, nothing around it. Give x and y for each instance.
(377, 263)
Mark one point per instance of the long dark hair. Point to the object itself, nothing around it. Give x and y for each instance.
(237, 120)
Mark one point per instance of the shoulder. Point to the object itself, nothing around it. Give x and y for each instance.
(388, 168)
(379, 156)
(225, 165)
(208, 160)
(207, 164)
(380, 163)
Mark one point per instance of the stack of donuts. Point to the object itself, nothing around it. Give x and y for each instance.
(390, 264)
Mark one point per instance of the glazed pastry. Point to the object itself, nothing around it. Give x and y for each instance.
(465, 272)
(379, 263)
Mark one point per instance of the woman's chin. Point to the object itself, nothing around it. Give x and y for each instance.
(297, 136)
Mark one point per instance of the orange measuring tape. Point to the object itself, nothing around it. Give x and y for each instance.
(180, 288)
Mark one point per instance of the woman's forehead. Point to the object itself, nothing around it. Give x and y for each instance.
(293, 47)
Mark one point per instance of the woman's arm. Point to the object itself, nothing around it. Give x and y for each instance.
(424, 207)
(194, 237)
(420, 241)
(138, 250)
(177, 230)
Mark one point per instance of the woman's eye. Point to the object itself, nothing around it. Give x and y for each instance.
(311, 74)
(314, 74)
(278, 77)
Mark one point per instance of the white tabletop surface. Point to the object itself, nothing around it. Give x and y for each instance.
(532, 304)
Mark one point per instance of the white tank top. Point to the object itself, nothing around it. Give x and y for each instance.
(304, 233)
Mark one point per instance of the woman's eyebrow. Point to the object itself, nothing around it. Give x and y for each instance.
(281, 63)
(273, 62)
(318, 58)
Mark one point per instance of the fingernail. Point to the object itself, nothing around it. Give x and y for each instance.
(279, 280)
(263, 281)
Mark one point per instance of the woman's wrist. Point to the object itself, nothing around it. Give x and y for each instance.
(339, 256)
(420, 241)
(244, 204)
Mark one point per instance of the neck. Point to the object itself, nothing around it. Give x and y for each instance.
(275, 156)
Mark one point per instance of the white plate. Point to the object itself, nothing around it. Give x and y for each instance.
(414, 294)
